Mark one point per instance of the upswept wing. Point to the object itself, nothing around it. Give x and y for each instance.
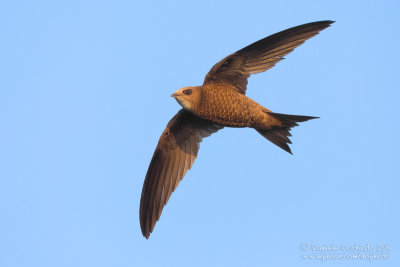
(261, 55)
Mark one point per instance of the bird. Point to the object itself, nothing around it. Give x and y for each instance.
(220, 102)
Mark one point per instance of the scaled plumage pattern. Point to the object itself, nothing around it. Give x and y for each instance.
(219, 102)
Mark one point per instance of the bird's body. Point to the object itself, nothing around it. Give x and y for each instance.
(219, 102)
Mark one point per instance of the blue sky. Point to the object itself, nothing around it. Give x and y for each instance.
(85, 94)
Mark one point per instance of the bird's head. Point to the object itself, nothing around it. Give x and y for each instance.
(187, 97)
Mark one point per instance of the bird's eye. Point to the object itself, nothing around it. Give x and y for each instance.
(187, 91)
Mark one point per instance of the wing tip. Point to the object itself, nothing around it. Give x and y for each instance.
(146, 229)
(328, 21)
(316, 25)
(325, 23)
(146, 235)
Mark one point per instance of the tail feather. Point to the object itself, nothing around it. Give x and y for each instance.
(290, 120)
(278, 135)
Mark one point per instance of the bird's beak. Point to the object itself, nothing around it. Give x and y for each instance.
(174, 95)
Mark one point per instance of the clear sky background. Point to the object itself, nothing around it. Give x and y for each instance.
(85, 93)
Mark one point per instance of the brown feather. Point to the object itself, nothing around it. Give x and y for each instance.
(174, 155)
(261, 55)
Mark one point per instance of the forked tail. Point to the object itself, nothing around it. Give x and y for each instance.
(279, 134)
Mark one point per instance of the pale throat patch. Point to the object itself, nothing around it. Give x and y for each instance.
(183, 102)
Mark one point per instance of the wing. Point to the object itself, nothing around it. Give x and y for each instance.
(174, 155)
(261, 55)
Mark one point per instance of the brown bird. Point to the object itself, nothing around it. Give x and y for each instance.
(219, 102)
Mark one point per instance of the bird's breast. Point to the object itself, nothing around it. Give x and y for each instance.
(226, 107)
